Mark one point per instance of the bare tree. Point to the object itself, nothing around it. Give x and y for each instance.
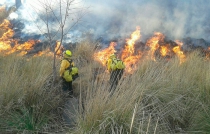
(58, 17)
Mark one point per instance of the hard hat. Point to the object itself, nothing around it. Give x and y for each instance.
(67, 53)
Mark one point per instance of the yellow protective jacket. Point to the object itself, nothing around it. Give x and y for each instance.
(113, 64)
(109, 62)
(64, 65)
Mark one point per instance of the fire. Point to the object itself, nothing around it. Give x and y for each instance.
(5, 24)
(164, 50)
(131, 57)
(58, 48)
(22, 48)
(102, 56)
(153, 44)
(208, 53)
(47, 52)
(128, 54)
(129, 48)
(131, 62)
(8, 45)
(178, 52)
(6, 40)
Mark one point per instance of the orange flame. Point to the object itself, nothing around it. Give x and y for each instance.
(45, 52)
(22, 48)
(103, 55)
(178, 52)
(128, 54)
(129, 48)
(164, 50)
(207, 53)
(58, 48)
(6, 41)
(153, 43)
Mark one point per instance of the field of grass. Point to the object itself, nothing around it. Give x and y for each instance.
(160, 97)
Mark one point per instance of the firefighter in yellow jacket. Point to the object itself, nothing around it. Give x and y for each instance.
(116, 68)
(68, 72)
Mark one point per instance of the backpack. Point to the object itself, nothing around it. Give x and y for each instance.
(117, 64)
(71, 73)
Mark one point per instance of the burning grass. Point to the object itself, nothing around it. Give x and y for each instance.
(160, 97)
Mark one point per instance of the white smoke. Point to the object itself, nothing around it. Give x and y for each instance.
(7, 2)
(116, 18)
(177, 19)
(13, 15)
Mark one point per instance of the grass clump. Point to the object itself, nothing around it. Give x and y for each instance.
(28, 101)
(160, 97)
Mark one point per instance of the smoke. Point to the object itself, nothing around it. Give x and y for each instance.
(113, 19)
(7, 3)
(176, 19)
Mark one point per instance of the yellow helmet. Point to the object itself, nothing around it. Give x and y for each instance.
(67, 54)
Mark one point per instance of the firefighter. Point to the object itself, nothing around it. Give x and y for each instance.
(116, 68)
(68, 72)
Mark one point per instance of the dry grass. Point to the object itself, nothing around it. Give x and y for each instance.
(28, 102)
(167, 97)
(160, 97)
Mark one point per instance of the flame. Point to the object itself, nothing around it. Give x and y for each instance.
(8, 45)
(22, 48)
(129, 48)
(131, 62)
(47, 52)
(207, 53)
(131, 57)
(128, 54)
(178, 52)
(164, 51)
(5, 40)
(103, 55)
(153, 44)
(58, 48)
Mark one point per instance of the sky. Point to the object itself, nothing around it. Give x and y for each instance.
(113, 19)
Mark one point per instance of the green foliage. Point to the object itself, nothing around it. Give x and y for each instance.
(26, 119)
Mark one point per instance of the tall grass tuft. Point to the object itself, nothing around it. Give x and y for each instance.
(28, 102)
(160, 97)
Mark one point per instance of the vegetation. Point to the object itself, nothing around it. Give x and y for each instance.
(160, 97)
